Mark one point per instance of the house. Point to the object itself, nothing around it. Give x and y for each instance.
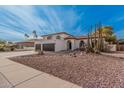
(120, 45)
(57, 42)
(26, 45)
(60, 41)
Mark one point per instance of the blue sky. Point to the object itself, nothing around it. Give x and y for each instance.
(15, 21)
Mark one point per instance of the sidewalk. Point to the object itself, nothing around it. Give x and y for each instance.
(118, 55)
(13, 74)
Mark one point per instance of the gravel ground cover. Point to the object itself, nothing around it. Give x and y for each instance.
(85, 70)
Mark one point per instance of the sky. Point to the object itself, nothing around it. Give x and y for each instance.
(15, 21)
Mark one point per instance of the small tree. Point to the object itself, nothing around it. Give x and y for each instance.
(111, 38)
(109, 34)
(100, 32)
(2, 45)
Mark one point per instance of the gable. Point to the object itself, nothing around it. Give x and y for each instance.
(55, 35)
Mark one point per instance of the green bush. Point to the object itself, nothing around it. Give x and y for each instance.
(2, 47)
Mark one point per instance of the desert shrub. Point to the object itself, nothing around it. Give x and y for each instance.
(2, 47)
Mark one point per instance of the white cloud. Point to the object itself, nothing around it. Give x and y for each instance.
(18, 20)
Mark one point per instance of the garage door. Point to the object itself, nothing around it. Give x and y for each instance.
(49, 47)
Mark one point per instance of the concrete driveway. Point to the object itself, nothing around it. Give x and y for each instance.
(13, 74)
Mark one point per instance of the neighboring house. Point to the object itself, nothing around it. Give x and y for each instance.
(120, 45)
(60, 41)
(27, 45)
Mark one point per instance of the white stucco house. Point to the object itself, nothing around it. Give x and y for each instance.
(60, 41)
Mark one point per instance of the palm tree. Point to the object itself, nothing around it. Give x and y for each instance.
(91, 40)
(108, 34)
(88, 44)
(2, 45)
(26, 35)
(95, 41)
(111, 38)
(34, 34)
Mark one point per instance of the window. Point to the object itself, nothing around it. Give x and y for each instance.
(49, 37)
(58, 37)
(81, 44)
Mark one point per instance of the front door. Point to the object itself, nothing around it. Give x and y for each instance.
(69, 45)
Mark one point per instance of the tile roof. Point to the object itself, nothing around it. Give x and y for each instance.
(57, 33)
(71, 37)
(26, 43)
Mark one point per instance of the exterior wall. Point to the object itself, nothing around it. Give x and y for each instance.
(29, 48)
(53, 37)
(111, 47)
(59, 44)
(75, 43)
(120, 47)
(85, 41)
(38, 42)
(25, 45)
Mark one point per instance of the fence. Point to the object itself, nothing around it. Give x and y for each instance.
(120, 47)
(111, 48)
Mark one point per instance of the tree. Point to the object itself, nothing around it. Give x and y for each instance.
(111, 38)
(109, 34)
(96, 45)
(120, 41)
(2, 45)
(88, 44)
(34, 34)
(26, 35)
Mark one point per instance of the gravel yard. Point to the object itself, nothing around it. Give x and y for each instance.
(85, 70)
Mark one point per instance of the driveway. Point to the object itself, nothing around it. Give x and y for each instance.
(13, 74)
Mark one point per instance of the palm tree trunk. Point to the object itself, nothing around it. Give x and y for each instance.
(88, 41)
(98, 38)
(95, 37)
(101, 38)
(91, 41)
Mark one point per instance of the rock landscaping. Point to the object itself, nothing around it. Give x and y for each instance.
(85, 70)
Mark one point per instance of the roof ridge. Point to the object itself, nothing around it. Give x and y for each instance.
(57, 33)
